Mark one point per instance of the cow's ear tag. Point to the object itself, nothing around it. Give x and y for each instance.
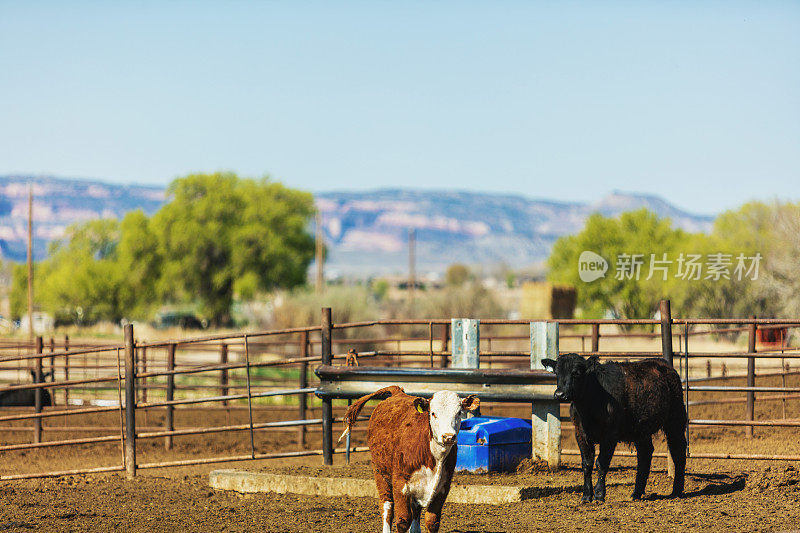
(419, 408)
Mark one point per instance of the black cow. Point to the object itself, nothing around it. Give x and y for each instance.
(622, 402)
(25, 397)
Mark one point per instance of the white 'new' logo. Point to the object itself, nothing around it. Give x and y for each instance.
(591, 266)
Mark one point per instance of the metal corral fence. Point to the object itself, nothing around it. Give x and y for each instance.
(129, 394)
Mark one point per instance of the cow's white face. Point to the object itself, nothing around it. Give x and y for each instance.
(446, 412)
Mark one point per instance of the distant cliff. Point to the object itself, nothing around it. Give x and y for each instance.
(57, 203)
(366, 232)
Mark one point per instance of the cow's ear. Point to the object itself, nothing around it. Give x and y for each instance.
(421, 405)
(549, 363)
(470, 403)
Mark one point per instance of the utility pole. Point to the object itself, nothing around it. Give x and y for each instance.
(30, 261)
(412, 282)
(320, 245)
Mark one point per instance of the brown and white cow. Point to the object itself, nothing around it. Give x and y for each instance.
(412, 442)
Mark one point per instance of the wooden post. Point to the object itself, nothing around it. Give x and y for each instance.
(466, 342)
(545, 415)
(130, 402)
(445, 342)
(666, 331)
(327, 405)
(751, 379)
(169, 422)
(301, 430)
(37, 393)
(223, 375)
(595, 337)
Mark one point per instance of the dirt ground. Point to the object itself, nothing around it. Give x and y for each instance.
(764, 499)
(725, 495)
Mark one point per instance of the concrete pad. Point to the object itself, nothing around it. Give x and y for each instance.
(250, 482)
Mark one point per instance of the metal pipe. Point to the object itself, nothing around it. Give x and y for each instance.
(236, 427)
(228, 397)
(751, 379)
(747, 423)
(303, 384)
(169, 422)
(711, 388)
(63, 473)
(223, 375)
(58, 413)
(327, 405)
(37, 398)
(666, 331)
(228, 336)
(211, 460)
(30, 446)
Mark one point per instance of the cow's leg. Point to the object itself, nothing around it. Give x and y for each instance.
(603, 462)
(386, 498)
(416, 513)
(587, 462)
(644, 456)
(402, 508)
(676, 441)
(433, 513)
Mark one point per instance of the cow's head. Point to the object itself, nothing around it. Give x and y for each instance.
(445, 411)
(570, 370)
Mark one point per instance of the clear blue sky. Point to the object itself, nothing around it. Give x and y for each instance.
(696, 101)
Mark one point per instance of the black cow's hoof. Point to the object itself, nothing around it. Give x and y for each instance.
(635, 496)
(586, 499)
(599, 501)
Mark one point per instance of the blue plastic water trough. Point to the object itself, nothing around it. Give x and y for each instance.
(493, 444)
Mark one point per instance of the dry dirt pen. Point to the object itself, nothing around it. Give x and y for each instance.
(732, 494)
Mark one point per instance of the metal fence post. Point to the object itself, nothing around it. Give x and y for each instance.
(66, 372)
(666, 330)
(303, 399)
(595, 338)
(130, 402)
(37, 393)
(169, 422)
(52, 363)
(223, 374)
(545, 416)
(751, 379)
(327, 405)
(144, 380)
(466, 343)
(445, 341)
(666, 349)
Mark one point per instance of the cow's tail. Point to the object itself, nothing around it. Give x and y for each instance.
(352, 412)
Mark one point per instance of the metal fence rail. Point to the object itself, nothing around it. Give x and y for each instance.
(237, 373)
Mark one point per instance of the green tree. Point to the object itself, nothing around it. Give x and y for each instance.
(456, 275)
(636, 232)
(221, 234)
(80, 280)
(140, 262)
